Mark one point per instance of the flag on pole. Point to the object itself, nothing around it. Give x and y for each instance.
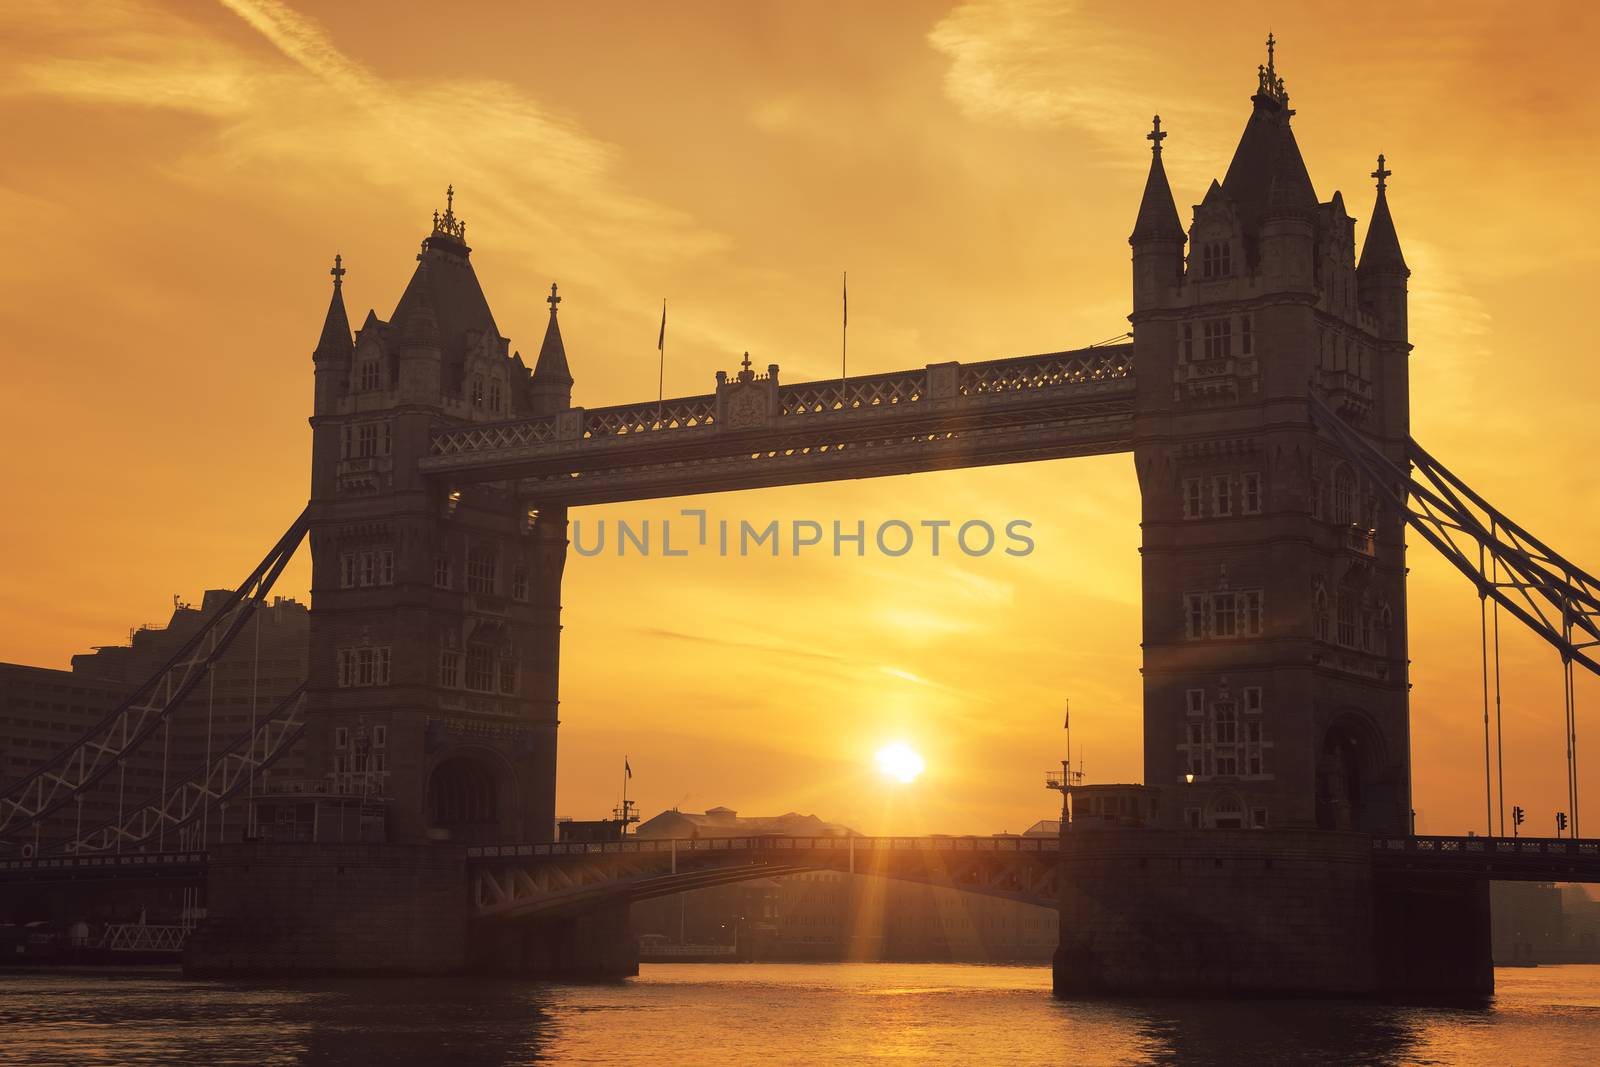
(844, 330)
(625, 768)
(1067, 723)
(661, 371)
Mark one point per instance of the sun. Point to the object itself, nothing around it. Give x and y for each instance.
(899, 761)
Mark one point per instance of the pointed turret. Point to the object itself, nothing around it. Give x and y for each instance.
(1382, 272)
(334, 345)
(1158, 212)
(1381, 250)
(1158, 235)
(550, 388)
(1267, 172)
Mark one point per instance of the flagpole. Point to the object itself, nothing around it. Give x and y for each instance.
(624, 832)
(661, 373)
(844, 338)
(1067, 726)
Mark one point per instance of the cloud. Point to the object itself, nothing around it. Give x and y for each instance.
(1041, 64)
(306, 115)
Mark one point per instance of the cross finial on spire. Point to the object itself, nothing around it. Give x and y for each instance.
(447, 223)
(338, 270)
(1271, 45)
(1382, 174)
(552, 299)
(746, 363)
(1155, 136)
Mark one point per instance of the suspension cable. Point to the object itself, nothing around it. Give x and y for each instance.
(1499, 736)
(1483, 649)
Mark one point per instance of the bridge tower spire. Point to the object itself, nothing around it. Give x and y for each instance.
(1158, 236)
(435, 619)
(1274, 589)
(551, 387)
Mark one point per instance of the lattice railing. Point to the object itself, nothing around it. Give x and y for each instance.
(678, 413)
(1043, 372)
(849, 394)
(493, 438)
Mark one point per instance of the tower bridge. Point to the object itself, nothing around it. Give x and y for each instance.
(1265, 399)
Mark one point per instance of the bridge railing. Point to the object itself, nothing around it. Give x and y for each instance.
(1499, 846)
(766, 844)
(871, 392)
(116, 863)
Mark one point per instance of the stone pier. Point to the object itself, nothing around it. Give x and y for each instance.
(1254, 913)
(282, 909)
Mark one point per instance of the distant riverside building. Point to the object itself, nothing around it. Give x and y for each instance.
(43, 710)
(830, 915)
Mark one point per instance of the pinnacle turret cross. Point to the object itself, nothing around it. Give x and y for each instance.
(1155, 136)
(1382, 174)
(1271, 45)
(746, 363)
(338, 270)
(449, 199)
(552, 299)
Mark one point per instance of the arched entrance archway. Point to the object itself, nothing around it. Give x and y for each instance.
(1346, 764)
(463, 799)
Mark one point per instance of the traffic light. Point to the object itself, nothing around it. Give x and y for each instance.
(1517, 815)
(1561, 822)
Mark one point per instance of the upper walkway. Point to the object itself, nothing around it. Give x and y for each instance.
(753, 432)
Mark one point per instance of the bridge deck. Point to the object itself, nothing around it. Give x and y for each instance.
(753, 432)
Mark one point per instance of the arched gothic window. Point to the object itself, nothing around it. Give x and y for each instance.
(1324, 621)
(1348, 612)
(1344, 496)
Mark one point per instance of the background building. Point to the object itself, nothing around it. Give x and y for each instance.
(830, 915)
(42, 710)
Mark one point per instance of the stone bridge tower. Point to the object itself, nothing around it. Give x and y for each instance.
(1274, 583)
(435, 619)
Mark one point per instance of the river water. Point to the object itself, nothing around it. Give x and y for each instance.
(710, 1014)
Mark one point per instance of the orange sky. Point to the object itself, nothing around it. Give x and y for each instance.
(177, 178)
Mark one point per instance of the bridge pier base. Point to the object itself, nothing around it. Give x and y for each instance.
(599, 945)
(1434, 938)
(1215, 913)
(301, 909)
(1262, 913)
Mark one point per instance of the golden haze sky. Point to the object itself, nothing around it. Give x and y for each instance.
(178, 177)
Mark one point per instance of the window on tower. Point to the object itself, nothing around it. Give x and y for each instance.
(1191, 498)
(1344, 496)
(369, 375)
(449, 668)
(481, 566)
(1251, 502)
(480, 668)
(1222, 495)
(1224, 615)
(1216, 260)
(1218, 336)
(1347, 618)
(1246, 335)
